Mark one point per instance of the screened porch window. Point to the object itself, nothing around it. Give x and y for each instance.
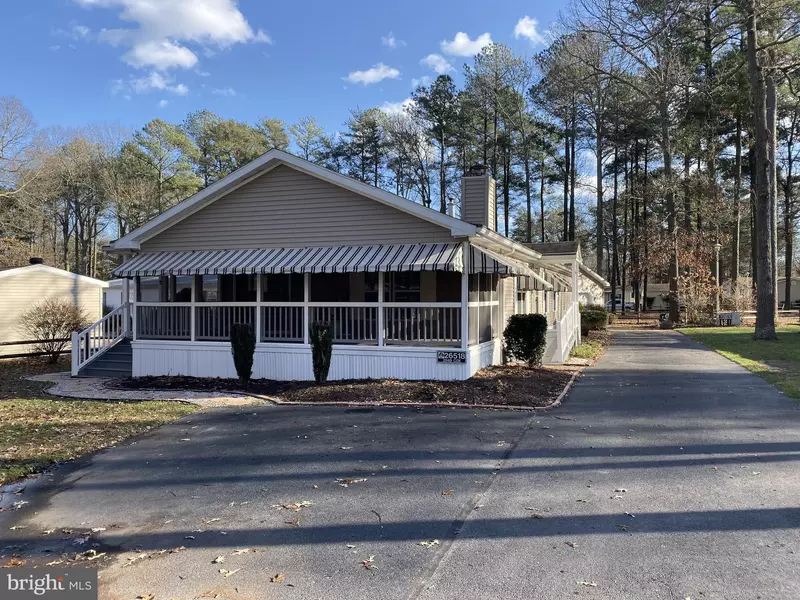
(282, 287)
(167, 288)
(343, 287)
(484, 307)
(226, 288)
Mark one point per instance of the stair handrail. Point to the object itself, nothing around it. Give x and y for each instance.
(98, 337)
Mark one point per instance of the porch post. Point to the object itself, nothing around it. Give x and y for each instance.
(126, 302)
(575, 311)
(135, 299)
(257, 332)
(465, 296)
(306, 324)
(192, 308)
(380, 309)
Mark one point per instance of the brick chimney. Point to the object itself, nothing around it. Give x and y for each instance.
(478, 198)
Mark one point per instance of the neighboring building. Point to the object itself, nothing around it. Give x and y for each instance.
(794, 298)
(411, 293)
(24, 287)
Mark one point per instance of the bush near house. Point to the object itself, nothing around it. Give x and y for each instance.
(525, 338)
(243, 347)
(320, 335)
(593, 318)
(51, 323)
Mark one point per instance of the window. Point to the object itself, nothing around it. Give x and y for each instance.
(448, 286)
(329, 287)
(484, 307)
(207, 287)
(402, 286)
(167, 288)
(283, 287)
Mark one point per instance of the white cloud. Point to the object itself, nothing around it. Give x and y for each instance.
(156, 81)
(397, 108)
(461, 45)
(392, 41)
(80, 31)
(163, 103)
(437, 63)
(54, 48)
(526, 27)
(161, 55)
(163, 28)
(425, 80)
(224, 92)
(377, 73)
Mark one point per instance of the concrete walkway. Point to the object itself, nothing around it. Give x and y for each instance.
(669, 473)
(95, 388)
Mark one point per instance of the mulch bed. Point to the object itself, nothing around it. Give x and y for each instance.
(499, 386)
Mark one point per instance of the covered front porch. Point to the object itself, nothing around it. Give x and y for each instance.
(421, 311)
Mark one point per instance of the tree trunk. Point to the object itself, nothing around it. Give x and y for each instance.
(666, 150)
(567, 166)
(529, 224)
(598, 144)
(772, 140)
(765, 286)
(614, 238)
(541, 199)
(737, 192)
(572, 172)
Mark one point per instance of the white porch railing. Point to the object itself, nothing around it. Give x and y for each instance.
(99, 337)
(566, 333)
(367, 323)
(423, 324)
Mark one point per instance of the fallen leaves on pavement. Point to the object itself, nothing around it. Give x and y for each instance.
(587, 583)
(277, 578)
(429, 543)
(295, 506)
(227, 573)
(217, 560)
(447, 493)
(347, 481)
(369, 563)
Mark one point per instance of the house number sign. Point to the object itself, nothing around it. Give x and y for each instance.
(451, 356)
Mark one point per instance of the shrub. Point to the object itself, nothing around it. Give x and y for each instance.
(593, 318)
(51, 323)
(320, 335)
(243, 348)
(525, 338)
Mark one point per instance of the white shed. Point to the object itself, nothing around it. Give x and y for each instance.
(24, 287)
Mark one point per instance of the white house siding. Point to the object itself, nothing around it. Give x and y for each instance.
(29, 286)
(292, 362)
(288, 208)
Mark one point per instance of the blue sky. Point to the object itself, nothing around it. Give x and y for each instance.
(80, 62)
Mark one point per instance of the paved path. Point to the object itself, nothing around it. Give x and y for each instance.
(707, 455)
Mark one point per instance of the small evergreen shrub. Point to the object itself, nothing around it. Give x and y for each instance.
(320, 335)
(243, 348)
(525, 338)
(593, 318)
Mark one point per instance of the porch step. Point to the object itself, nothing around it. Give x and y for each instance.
(114, 362)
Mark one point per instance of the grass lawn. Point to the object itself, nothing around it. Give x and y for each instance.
(593, 346)
(37, 431)
(777, 362)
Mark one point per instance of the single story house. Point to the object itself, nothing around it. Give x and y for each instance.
(411, 293)
(794, 296)
(24, 287)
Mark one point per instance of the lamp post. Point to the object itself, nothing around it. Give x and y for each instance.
(717, 248)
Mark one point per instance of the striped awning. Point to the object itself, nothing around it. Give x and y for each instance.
(337, 259)
(482, 260)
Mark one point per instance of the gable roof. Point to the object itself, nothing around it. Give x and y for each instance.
(264, 164)
(54, 271)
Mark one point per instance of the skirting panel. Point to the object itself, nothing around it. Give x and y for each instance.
(484, 355)
(290, 362)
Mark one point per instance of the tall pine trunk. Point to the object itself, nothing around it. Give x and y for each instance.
(765, 286)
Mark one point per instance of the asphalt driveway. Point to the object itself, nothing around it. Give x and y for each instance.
(668, 473)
